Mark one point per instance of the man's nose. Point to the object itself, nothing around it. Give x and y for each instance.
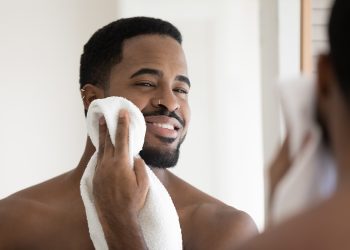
(166, 99)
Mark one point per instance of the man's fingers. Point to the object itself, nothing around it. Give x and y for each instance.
(306, 141)
(101, 138)
(284, 160)
(109, 148)
(122, 135)
(279, 166)
(141, 174)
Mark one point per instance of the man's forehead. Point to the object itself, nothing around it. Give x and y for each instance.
(153, 51)
(152, 46)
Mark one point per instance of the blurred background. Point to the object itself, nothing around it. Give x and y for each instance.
(236, 51)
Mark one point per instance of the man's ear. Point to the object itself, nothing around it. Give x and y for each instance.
(90, 93)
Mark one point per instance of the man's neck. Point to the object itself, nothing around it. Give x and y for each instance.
(85, 158)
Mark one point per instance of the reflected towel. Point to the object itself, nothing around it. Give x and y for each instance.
(312, 176)
(158, 218)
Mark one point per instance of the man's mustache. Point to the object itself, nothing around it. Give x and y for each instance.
(166, 112)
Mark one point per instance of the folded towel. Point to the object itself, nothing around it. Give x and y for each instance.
(158, 218)
(312, 176)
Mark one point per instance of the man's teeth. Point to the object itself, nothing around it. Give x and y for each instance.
(164, 125)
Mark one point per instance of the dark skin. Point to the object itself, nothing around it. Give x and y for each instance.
(51, 215)
(324, 227)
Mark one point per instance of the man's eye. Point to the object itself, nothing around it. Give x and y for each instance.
(145, 84)
(181, 91)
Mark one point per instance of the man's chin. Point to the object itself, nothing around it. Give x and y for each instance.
(158, 159)
(166, 140)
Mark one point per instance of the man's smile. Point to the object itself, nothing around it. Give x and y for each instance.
(163, 126)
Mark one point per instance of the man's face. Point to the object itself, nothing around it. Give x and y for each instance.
(153, 75)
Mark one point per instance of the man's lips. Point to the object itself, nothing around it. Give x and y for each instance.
(163, 126)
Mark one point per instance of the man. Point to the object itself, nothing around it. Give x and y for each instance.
(326, 226)
(142, 60)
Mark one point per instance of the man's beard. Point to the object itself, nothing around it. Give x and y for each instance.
(155, 157)
(161, 159)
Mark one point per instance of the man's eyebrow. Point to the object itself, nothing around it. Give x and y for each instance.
(184, 79)
(156, 72)
(147, 71)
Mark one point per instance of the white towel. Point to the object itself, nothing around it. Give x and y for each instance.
(312, 176)
(158, 218)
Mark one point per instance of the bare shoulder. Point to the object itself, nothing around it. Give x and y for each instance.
(26, 214)
(208, 223)
(220, 226)
(19, 218)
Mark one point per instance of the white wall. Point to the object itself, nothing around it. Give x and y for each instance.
(289, 38)
(279, 28)
(42, 129)
(238, 169)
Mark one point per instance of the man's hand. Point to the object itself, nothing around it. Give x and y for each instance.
(119, 190)
(279, 168)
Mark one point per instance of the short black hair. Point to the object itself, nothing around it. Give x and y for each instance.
(104, 48)
(339, 40)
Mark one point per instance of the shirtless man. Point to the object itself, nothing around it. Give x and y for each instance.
(326, 226)
(142, 60)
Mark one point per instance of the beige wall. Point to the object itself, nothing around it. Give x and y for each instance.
(42, 130)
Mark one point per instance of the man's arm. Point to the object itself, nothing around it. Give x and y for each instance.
(119, 190)
(122, 233)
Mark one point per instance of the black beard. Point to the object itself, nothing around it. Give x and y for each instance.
(155, 158)
(161, 159)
